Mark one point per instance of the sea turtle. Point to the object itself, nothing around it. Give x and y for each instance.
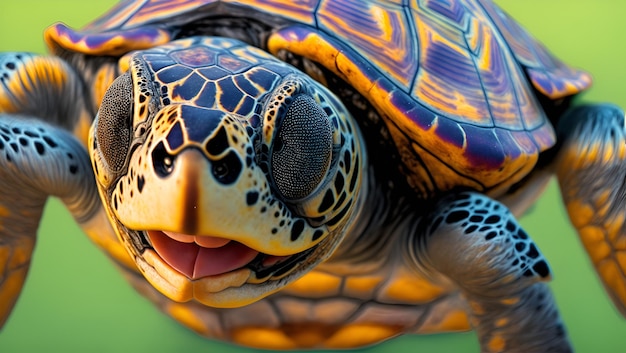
(398, 169)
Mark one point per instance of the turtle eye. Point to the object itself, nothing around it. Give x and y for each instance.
(301, 149)
(113, 128)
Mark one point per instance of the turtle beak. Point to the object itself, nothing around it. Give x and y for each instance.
(184, 193)
(197, 194)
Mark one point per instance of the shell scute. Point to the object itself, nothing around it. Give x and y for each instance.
(373, 26)
(548, 75)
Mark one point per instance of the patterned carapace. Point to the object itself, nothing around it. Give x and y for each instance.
(448, 76)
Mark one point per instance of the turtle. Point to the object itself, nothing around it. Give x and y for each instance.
(395, 212)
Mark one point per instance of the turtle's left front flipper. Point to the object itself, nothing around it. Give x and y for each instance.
(591, 169)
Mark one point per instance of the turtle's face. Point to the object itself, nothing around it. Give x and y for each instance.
(227, 173)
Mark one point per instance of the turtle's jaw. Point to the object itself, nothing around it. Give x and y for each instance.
(204, 256)
(215, 271)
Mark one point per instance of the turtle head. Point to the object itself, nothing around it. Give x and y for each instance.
(227, 173)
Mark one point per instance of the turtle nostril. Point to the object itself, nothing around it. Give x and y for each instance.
(162, 161)
(227, 169)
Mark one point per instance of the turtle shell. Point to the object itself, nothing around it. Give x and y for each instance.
(456, 82)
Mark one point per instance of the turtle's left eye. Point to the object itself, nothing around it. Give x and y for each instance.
(301, 149)
(113, 129)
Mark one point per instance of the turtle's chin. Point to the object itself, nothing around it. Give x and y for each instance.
(214, 271)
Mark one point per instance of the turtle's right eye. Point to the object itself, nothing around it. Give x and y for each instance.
(114, 125)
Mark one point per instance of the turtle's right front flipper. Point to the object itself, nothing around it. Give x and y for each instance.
(41, 104)
(45, 87)
(36, 160)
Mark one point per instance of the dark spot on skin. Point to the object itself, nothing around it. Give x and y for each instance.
(327, 202)
(73, 169)
(1, 145)
(492, 219)
(296, 229)
(252, 197)
(14, 146)
(476, 219)
(317, 234)
(339, 182)
(520, 246)
(141, 181)
(471, 229)
(10, 66)
(355, 173)
(31, 134)
(339, 215)
(50, 142)
(347, 160)
(541, 267)
(274, 230)
(340, 202)
(457, 216)
(40, 148)
(510, 226)
(115, 202)
(527, 273)
(23, 141)
(263, 209)
(522, 234)
(491, 235)
(533, 253)
(16, 130)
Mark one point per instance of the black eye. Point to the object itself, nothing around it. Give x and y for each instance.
(302, 149)
(113, 129)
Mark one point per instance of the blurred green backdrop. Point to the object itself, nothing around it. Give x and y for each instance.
(75, 300)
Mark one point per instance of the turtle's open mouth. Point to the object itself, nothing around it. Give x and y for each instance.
(202, 256)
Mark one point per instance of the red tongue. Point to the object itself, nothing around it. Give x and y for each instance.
(195, 261)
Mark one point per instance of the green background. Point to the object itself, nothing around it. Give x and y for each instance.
(75, 300)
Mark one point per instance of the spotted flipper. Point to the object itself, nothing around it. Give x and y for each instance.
(478, 244)
(40, 107)
(591, 171)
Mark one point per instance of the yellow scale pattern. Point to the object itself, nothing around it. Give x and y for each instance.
(599, 224)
